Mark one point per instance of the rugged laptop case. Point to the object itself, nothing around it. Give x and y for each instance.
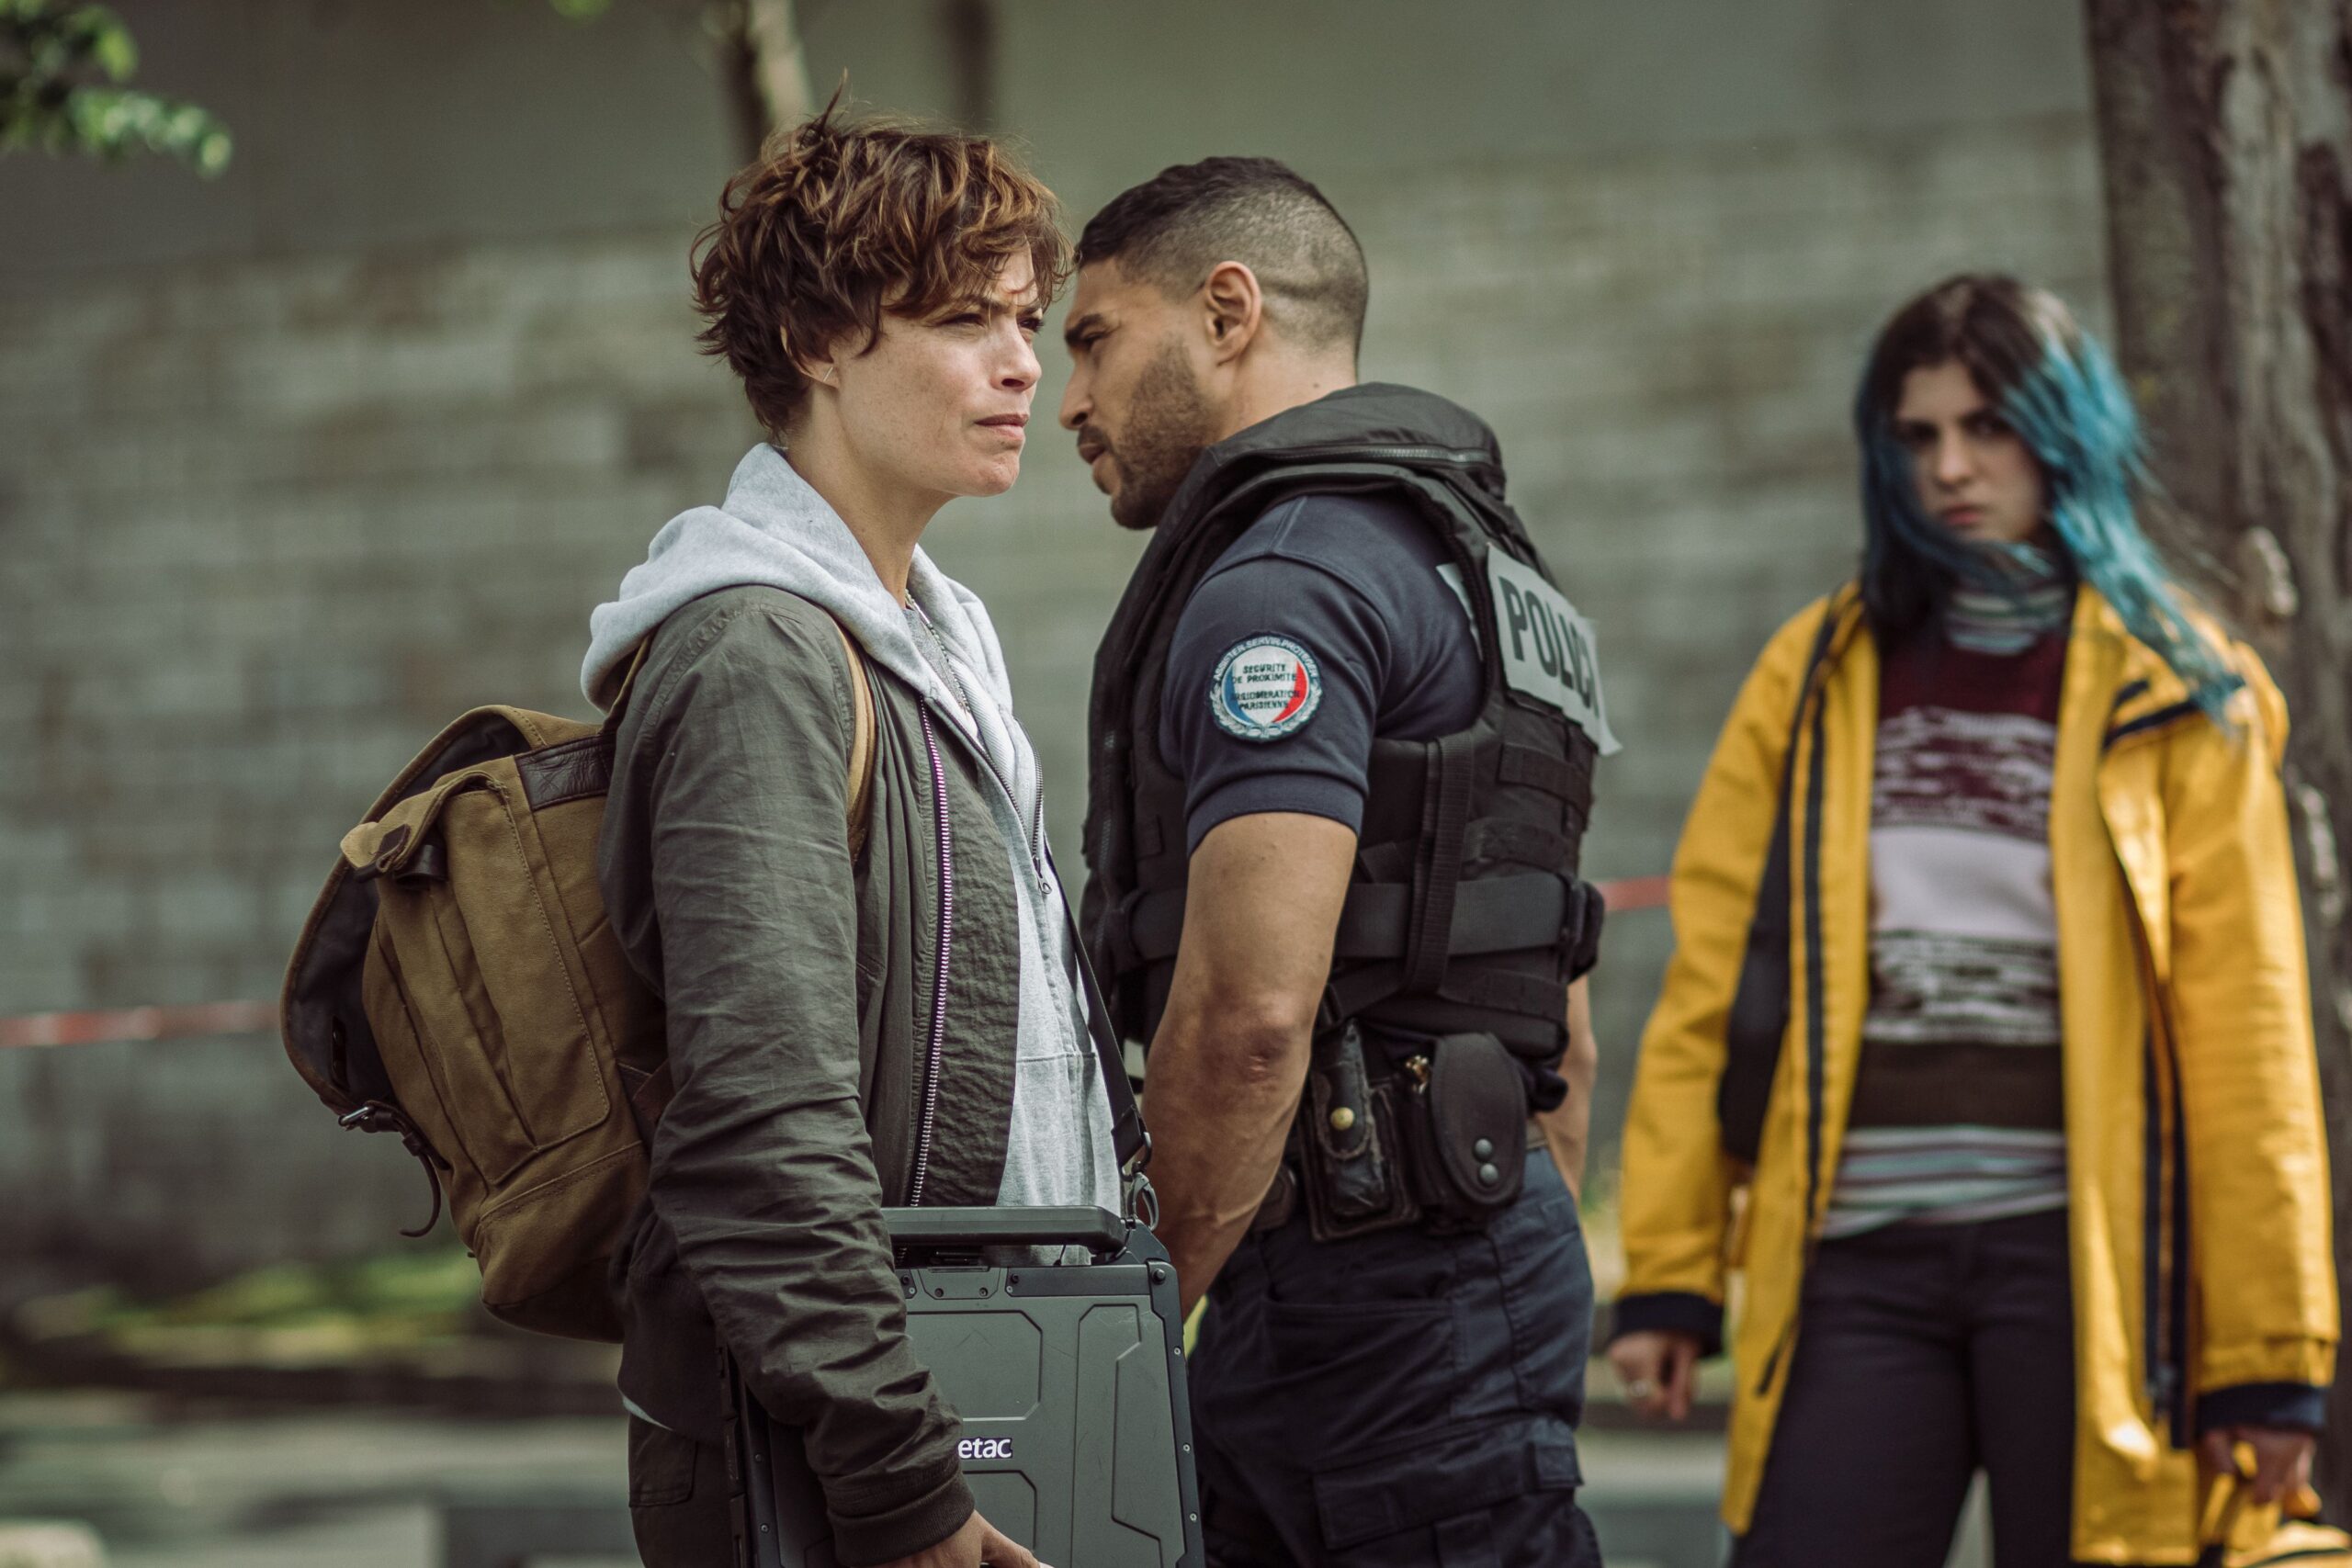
(1077, 1440)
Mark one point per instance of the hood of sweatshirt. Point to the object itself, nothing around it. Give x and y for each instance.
(775, 530)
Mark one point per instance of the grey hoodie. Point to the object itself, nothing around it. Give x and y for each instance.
(775, 530)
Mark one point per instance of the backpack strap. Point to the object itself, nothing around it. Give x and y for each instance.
(629, 681)
(861, 743)
(649, 1099)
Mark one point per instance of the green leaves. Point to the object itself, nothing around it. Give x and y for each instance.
(63, 66)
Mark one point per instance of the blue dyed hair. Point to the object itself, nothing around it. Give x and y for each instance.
(2057, 389)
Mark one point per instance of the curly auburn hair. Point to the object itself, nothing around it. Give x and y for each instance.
(839, 221)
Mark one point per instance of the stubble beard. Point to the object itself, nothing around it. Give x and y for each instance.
(1169, 426)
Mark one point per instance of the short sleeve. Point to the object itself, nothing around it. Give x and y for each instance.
(1260, 636)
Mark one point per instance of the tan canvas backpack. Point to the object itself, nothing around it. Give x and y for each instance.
(457, 983)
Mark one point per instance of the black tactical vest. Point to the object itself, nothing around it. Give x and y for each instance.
(1465, 912)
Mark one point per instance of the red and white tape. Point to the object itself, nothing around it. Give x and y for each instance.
(138, 1023)
(205, 1019)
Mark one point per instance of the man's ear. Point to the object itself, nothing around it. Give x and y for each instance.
(1233, 311)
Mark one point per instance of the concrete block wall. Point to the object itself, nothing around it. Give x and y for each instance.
(265, 525)
(268, 527)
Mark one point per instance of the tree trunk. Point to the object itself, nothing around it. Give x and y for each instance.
(2225, 128)
(969, 28)
(782, 73)
(762, 63)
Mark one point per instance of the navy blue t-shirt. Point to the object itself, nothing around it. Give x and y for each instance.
(1324, 626)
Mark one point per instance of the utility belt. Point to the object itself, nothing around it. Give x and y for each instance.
(1438, 1140)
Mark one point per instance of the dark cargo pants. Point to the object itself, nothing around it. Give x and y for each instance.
(1398, 1399)
(678, 1505)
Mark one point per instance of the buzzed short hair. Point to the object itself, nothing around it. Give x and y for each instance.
(1176, 226)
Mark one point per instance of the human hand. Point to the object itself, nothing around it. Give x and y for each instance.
(2282, 1460)
(978, 1544)
(1659, 1370)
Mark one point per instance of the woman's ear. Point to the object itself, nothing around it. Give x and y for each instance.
(820, 368)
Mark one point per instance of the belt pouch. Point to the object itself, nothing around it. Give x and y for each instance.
(1352, 1183)
(1468, 1120)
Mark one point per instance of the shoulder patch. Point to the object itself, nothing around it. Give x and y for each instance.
(1265, 687)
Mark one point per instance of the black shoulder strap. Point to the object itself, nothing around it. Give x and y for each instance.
(1760, 1007)
(1129, 1140)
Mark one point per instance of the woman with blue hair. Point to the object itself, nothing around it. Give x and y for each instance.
(2022, 1168)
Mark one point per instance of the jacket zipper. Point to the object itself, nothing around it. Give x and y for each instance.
(1816, 1067)
(938, 1044)
(2165, 1186)
(2165, 1181)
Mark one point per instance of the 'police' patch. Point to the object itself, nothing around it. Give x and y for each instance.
(1264, 688)
(1547, 647)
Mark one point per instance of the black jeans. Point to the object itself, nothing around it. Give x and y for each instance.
(1398, 1400)
(1925, 1353)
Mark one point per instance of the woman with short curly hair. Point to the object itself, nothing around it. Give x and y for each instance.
(866, 978)
(1986, 1052)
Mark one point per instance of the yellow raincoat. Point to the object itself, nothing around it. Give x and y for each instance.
(2189, 1063)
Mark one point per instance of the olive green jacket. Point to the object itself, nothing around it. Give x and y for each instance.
(799, 990)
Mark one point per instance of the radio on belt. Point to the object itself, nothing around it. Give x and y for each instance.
(1068, 1378)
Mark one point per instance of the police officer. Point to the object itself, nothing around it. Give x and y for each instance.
(1343, 731)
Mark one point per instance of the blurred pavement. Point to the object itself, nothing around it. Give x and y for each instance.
(193, 1487)
(309, 1489)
